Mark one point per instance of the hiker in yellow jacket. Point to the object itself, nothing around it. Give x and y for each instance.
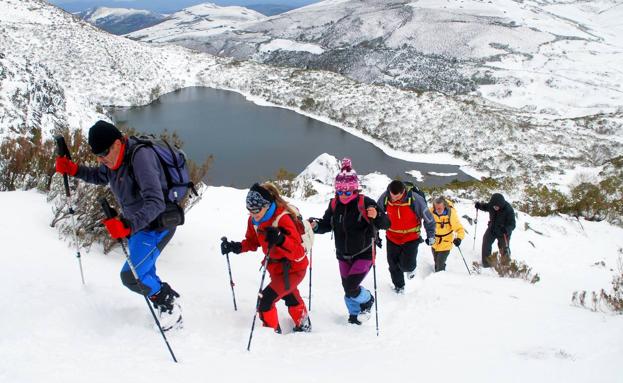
(448, 231)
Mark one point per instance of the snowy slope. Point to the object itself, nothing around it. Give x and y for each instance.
(57, 71)
(559, 57)
(448, 326)
(206, 18)
(120, 20)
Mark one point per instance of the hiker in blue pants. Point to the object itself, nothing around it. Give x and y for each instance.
(137, 180)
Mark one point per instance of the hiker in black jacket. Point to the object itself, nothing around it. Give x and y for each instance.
(354, 220)
(501, 225)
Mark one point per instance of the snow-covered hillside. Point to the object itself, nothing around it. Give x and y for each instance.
(120, 20)
(560, 58)
(447, 327)
(198, 20)
(57, 71)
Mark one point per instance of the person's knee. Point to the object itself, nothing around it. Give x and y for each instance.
(352, 292)
(128, 280)
(268, 298)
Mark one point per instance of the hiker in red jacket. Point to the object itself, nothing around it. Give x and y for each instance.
(272, 226)
(408, 212)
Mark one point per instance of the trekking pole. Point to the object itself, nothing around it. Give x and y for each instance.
(310, 278)
(475, 230)
(231, 281)
(259, 296)
(467, 267)
(109, 214)
(376, 299)
(63, 151)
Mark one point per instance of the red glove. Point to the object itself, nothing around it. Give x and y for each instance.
(66, 166)
(117, 228)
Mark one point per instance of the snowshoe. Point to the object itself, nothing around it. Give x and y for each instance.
(367, 306)
(352, 319)
(168, 308)
(306, 326)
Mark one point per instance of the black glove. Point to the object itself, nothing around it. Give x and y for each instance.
(430, 241)
(379, 242)
(231, 247)
(274, 236)
(478, 205)
(457, 242)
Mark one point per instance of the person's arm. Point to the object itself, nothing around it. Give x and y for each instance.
(147, 170)
(291, 239)
(324, 225)
(421, 210)
(381, 201)
(250, 241)
(381, 221)
(97, 175)
(510, 220)
(455, 222)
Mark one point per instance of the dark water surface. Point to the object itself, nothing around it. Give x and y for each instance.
(251, 143)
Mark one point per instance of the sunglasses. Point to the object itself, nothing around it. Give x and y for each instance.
(346, 193)
(103, 154)
(255, 211)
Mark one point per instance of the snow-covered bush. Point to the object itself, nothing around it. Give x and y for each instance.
(508, 268)
(609, 301)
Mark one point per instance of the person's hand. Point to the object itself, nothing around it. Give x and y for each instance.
(457, 242)
(372, 213)
(230, 247)
(66, 166)
(478, 205)
(430, 241)
(274, 236)
(117, 227)
(313, 222)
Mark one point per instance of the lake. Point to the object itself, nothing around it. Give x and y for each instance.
(251, 143)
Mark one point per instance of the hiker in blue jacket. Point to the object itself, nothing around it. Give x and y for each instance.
(139, 189)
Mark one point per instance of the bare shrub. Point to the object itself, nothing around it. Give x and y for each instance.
(508, 268)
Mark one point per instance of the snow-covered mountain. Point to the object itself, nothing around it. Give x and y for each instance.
(203, 19)
(555, 57)
(57, 71)
(120, 21)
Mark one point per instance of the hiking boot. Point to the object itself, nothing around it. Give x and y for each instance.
(352, 319)
(167, 307)
(367, 307)
(305, 326)
(399, 290)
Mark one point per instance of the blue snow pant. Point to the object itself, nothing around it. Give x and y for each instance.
(145, 248)
(353, 273)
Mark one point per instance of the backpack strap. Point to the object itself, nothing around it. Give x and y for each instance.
(362, 208)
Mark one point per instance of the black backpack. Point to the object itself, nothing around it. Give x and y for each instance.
(175, 166)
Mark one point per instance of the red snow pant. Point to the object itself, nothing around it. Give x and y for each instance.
(276, 290)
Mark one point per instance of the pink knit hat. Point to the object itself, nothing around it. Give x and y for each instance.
(347, 179)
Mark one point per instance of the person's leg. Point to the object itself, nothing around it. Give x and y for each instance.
(408, 258)
(487, 242)
(354, 294)
(393, 260)
(503, 246)
(144, 248)
(440, 260)
(267, 310)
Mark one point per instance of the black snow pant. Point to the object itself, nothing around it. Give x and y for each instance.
(440, 258)
(401, 259)
(487, 242)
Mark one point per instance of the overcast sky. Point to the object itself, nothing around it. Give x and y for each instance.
(165, 5)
